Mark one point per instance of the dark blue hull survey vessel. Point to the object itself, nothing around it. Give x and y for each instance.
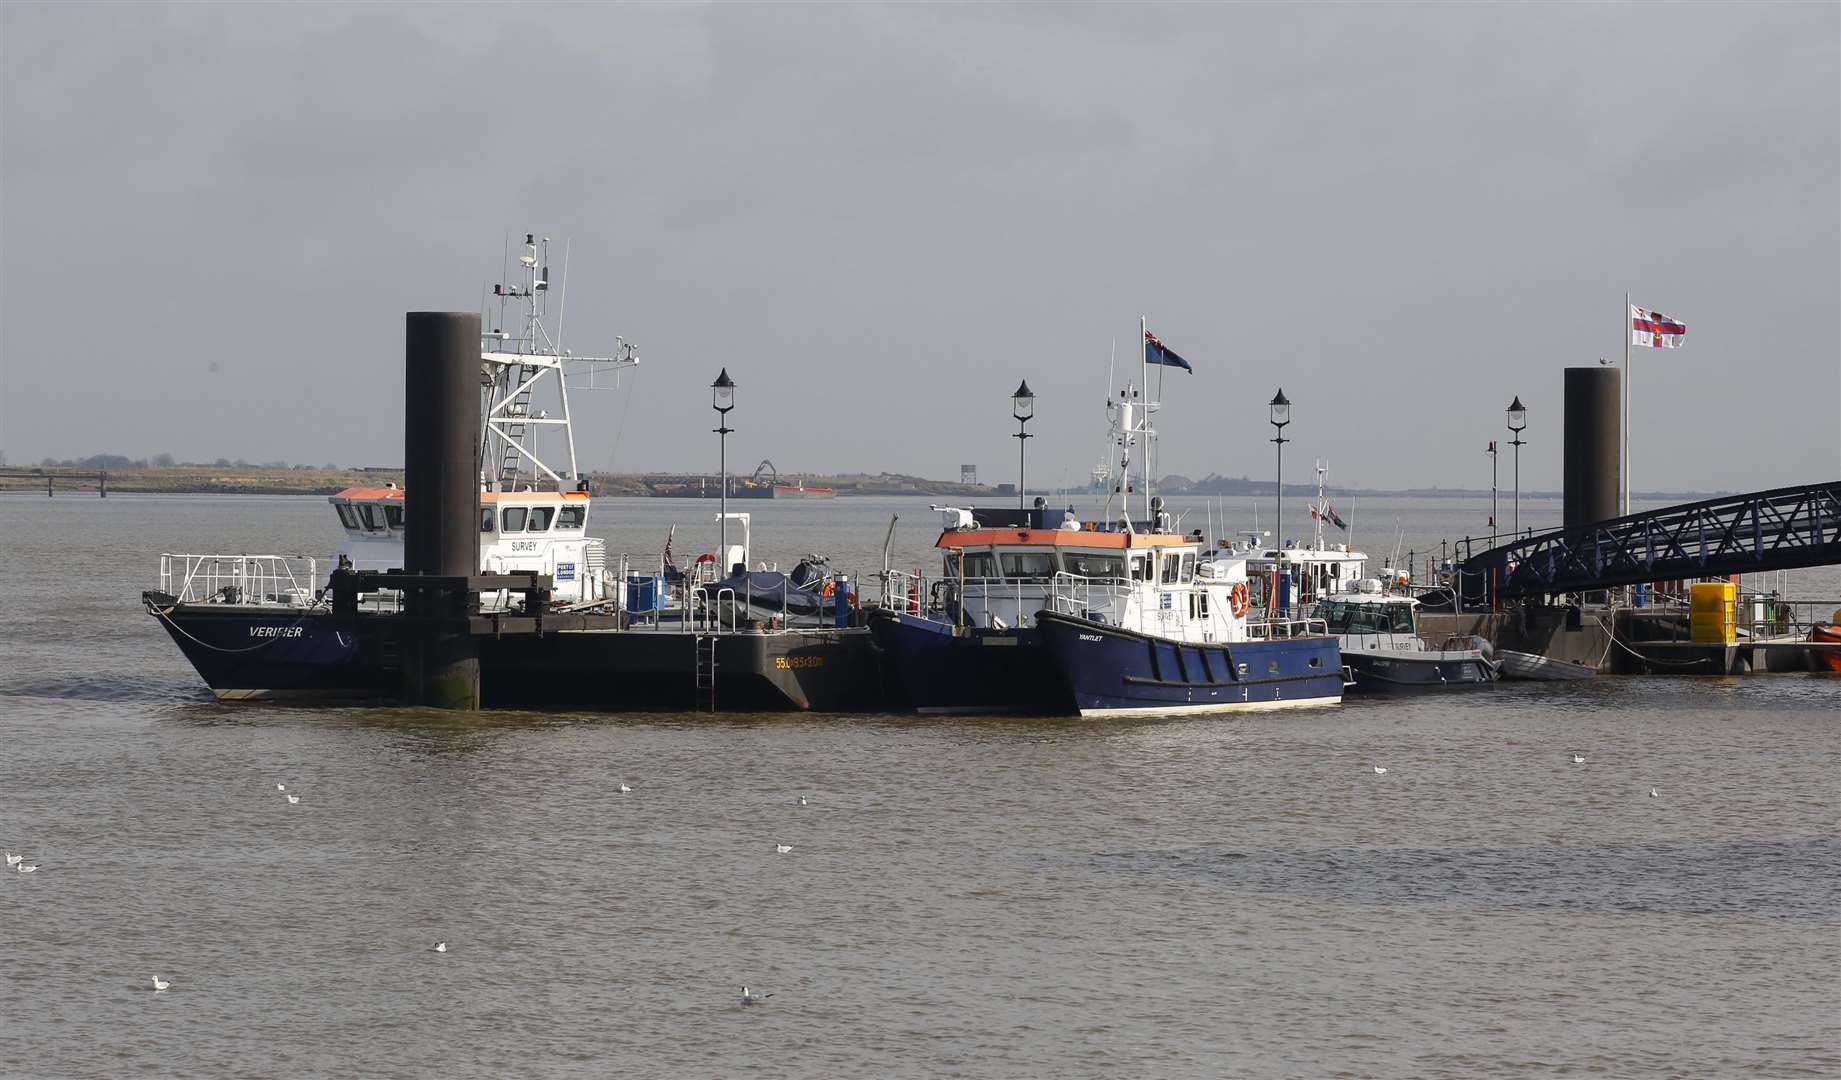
(244, 652)
(1111, 671)
(941, 668)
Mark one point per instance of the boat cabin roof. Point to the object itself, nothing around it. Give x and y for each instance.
(1074, 538)
(523, 498)
(1392, 599)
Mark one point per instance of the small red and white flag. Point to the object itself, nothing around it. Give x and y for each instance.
(1654, 330)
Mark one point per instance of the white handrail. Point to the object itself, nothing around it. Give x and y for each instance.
(287, 580)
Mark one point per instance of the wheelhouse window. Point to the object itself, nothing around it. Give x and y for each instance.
(1093, 564)
(1140, 568)
(540, 518)
(571, 517)
(393, 516)
(1359, 618)
(978, 564)
(1028, 565)
(1172, 569)
(488, 518)
(372, 516)
(347, 516)
(511, 519)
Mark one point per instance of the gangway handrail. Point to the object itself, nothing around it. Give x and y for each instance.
(1779, 529)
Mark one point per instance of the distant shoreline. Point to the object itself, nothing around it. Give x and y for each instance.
(255, 480)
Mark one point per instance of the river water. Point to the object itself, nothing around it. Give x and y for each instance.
(1238, 896)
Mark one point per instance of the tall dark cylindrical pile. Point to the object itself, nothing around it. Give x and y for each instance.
(440, 505)
(1592, 430)
(440, 443)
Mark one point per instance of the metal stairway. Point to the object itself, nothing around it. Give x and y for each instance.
(515, 431)
(1780, 529)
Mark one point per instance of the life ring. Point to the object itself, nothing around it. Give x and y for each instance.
(1238, 600)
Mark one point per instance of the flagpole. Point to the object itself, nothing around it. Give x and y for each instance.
(1625, 426)
(1144, 380)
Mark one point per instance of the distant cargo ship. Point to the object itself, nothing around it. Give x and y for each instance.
(751, 487)
(741, 489)
(803, 491)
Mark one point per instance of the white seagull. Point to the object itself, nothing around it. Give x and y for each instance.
(783, 848)
(292, 799)
(1578, 759)
(13, 860)
(802, 800)
(440, 946)
(1653, 793)
(749, 998)
(29, 868)
(623, 789)
(1379, 771)
(281, 787)
(159, 984)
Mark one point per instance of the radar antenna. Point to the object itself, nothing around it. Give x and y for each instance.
(523, 372)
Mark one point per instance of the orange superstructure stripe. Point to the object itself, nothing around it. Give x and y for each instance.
(372, 494)
(1059, 538)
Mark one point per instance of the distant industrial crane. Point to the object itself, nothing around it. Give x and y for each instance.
(767, 466)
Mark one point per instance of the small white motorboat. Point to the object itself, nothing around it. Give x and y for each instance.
(1533, 667)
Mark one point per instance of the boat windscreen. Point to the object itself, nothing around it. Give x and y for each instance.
(1345, 617)
(571, 517)
(347, 517)
(511, 519)
(540, 518)
(1028, 565)
(1093, 564)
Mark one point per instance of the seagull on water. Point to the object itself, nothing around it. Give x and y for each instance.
(13, 860)
(29, 868)
(292, 799)
(1379, 771)
(783, 848)
(1578, 759)
(281, 787)
(623, 789)
(1653, 793)
(159, 984)
(440, 946)
(802, 800)
(750, 998)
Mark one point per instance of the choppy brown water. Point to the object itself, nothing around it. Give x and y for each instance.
(1001, 898)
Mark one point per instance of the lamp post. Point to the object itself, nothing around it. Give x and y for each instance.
(1022, 406)
(1281, 415)
(722, 397)
(1518, 420)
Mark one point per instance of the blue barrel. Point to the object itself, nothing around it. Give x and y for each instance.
(642, 593)
(842, 597)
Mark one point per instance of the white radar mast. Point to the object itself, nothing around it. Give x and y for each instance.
(524, 373)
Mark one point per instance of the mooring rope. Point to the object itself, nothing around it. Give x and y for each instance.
(166, 615)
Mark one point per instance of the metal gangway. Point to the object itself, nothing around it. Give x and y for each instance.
(1780, 529)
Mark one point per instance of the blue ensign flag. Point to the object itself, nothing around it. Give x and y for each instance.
(1156, 352)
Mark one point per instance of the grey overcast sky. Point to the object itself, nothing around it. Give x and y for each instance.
(212, 218)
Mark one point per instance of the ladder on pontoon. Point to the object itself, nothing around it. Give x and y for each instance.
(706, 671)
